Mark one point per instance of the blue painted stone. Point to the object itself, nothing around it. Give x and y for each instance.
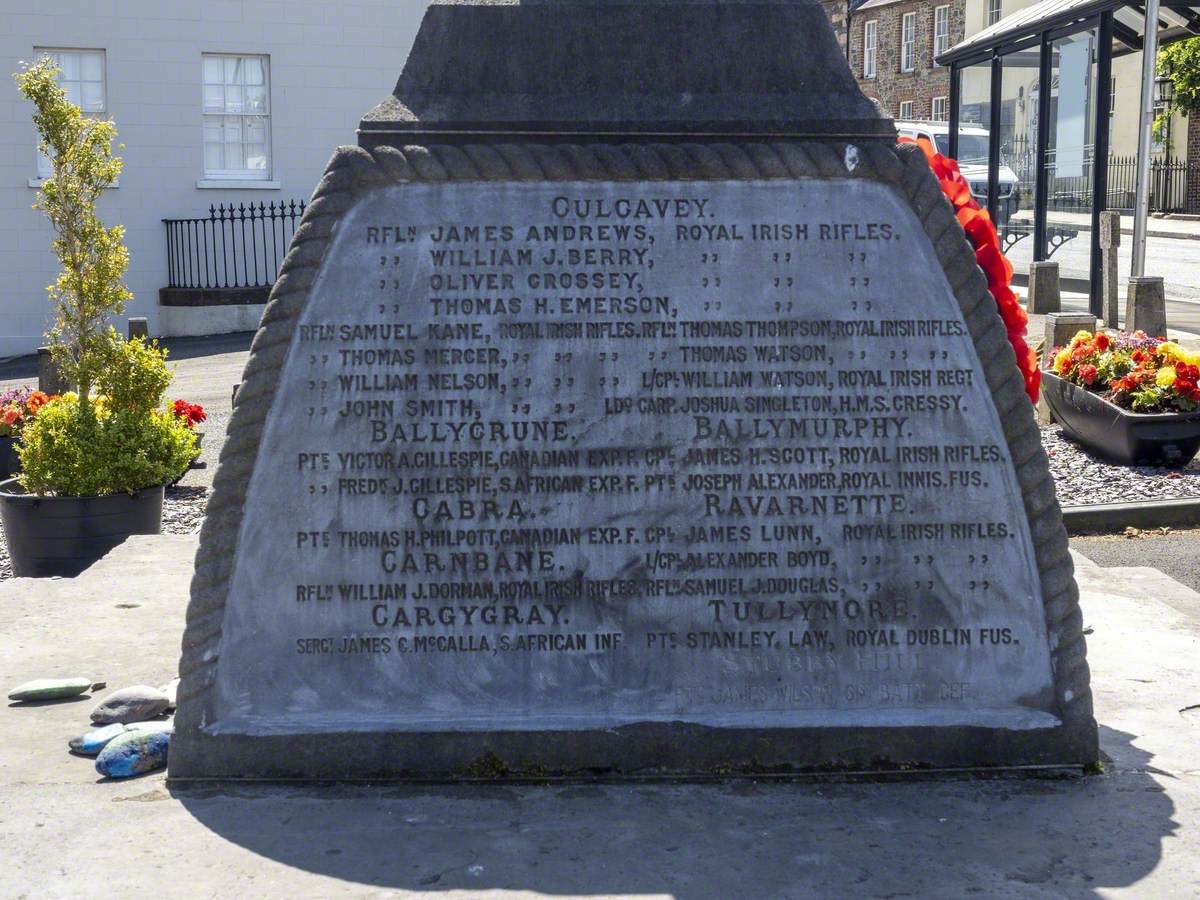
(134, 753)
(94, 741)
(49, 689)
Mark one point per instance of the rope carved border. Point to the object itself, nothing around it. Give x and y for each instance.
(353, 170)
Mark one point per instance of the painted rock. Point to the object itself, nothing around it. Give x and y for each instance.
(50, 689)
(133, 753)
(166, 726)
(94, 741)
(131, 704)
(170, 689)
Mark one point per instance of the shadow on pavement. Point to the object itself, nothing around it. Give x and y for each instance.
(25, 367)
(1072, 837)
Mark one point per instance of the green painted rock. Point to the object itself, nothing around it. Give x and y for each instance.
(131, 704)
(50, 689)
(133, 753)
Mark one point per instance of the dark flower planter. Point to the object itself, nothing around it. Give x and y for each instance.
(64, 535)
(1118, 435)
(10, 465)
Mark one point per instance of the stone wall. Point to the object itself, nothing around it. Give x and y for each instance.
(836, 11)
(890, 87)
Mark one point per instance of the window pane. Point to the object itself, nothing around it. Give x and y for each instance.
(232, 126)
(69, 63)
(214, 98)
(93, 96)
(256, 157)
(254, 70)
(256, 99)
(92, 67)
(231, 69)
(255, 129)
(212, 70)
(233, 99)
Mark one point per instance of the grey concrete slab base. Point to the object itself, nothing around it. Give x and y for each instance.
(1132, 832)
(1108, 517)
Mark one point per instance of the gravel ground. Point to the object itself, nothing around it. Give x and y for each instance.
(1082, 479)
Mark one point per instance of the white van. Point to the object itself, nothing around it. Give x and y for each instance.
(972, 161)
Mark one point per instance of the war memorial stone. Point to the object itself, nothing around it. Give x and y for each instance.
(634, 411)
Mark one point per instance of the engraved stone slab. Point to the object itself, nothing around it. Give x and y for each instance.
(612, 465)
(617, 453)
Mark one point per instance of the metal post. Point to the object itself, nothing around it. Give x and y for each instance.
(1100, 159)
(1041, 176)
(993, 181)
(955, 103)
(1141, 207)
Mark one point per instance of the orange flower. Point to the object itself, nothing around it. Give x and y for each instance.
(37, 400)
(1102, 342)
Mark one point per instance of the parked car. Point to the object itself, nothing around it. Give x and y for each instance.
(972, 161)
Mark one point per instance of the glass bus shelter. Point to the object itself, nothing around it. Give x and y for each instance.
(1045, 130)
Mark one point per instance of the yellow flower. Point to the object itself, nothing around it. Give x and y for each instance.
(71, 396)
(1061, 359)
(1169, 350)
(1166, 376)
(1080, 337)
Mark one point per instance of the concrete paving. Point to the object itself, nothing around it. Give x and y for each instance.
(1175, 553)
(1130, 832)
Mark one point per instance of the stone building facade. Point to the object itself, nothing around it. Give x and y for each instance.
(837, 11)
(892, 44)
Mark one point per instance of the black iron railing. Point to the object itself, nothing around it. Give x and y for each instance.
(232, 247)
(1168, 181)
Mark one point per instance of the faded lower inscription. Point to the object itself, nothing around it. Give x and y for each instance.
(579, 455)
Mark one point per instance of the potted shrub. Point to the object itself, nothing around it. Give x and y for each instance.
(18, 406)
(94, 460)
(1129, 398)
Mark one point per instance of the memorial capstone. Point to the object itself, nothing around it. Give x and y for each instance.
(654, 418)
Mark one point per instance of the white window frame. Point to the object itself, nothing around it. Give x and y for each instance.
(941, 30)
(222, 177)
(906, 110)
(944, 103)
(995, 11)
(44, 167)
(870, 47)
(908, 42)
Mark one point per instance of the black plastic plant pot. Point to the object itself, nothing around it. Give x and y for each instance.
(9, 463)
(64, 535)
(1118, 435)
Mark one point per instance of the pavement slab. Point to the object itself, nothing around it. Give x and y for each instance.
(64, 832)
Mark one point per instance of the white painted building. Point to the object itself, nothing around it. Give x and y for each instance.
(216, 101)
